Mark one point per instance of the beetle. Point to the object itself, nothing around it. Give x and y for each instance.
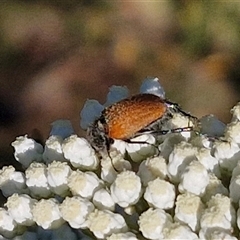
(131, 117)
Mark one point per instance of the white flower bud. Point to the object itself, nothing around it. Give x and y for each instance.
(139, 148)
(110, 165)
(84, 184)
(211, 126)
(75, 210)
(104, 223)
(160, 194)
(178, 231)
(27, 150)
(181, 156)
(103, 200)
(234, 189)
(232, 132)
(151, 85)
(119, 146)
(62, 128)
(8, 227)
(235, 111)
(216, 234)
(79, 152)
(152, 223)
(12, 181)
(20, 208)
(214, 187)
(37, 182)
(46, 214)
(208, 161)
(194, 179)
(152, 168)
(116, 94)
(228, 154)
(53, 150)
(202, 141)
(238, 216)
(180, 121)
(108, 172)
(126, 189)
(57, 177)
(189, 209)
(218, 214)
(169, 143)
(236, 170)
(91, 111)
(142, 148)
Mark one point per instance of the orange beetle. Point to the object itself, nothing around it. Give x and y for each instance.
(131, 117)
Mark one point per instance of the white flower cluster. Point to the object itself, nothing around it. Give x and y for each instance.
(188, 189)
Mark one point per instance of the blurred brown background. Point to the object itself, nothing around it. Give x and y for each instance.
(56, 54)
